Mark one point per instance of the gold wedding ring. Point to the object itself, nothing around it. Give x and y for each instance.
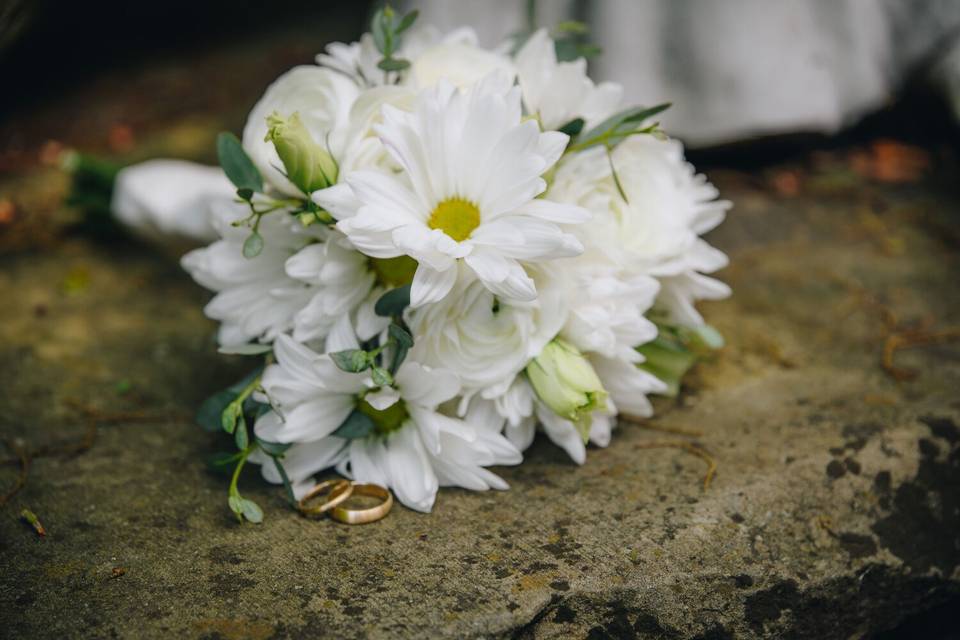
(371, 514)
(337, 490)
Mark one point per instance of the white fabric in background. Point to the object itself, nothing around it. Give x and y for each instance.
(737, 69)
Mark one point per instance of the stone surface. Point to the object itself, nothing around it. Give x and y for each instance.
(834, 511)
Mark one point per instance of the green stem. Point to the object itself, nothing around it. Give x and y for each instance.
(247, 390)
(236, 471)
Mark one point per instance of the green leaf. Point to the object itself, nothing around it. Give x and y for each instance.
(351, 360)
(251, 511)
(619, 126)
(381, 377)
(241, 437)
(403, 342)
(393, 302)
(407, 21)
(250, 349)
(253, 245)
(393, 64)
(401, 335)
(380, 27)
(274, 449)
(237, 164)
(228, 419)
(616, 177)
(573, 127)
(357, 425)
(209, 416)
(245, 194)
(220, 461)
(668, 360)
(236, 504)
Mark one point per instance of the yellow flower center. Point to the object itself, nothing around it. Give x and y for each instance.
(456, 217)
(394, 272)
(388, 420)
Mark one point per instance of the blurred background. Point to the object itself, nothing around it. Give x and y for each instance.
(752, 82)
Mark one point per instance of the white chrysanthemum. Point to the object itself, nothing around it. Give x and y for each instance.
(656, 230)
(364, 151)
(485, 340)
(302, 281)
(472, 171)
(455, 56)
(413, 449)
(321, 97)
(607, 308)
(526, 412)
(521, 411)
(558, 92)
(457, 60)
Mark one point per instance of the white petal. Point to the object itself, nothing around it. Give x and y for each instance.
(383, 398)
(558, 212)
(503, 276)
(314, 419)
(426, 387)
(430, 285)
(408, 467)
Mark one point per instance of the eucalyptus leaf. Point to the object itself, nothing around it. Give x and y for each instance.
(253, 245)
(393, 64)
(572, 128)
(401, 335)
(618, 126)
(351, 360)
(357, 425)
(274, 449)
(228, 419)
(240, 436)
(209, 415)
(380, 27)
(381, 377)
(251, 511)
(236, 503)
(237, 164)
(219, 461)
(407, 21)
(393, 302)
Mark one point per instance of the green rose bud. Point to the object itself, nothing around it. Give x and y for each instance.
(565, 382)
(309, 166)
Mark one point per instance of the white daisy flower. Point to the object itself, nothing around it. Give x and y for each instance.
(558, 92)
(472, 172)
(413, 448)
(302, 281)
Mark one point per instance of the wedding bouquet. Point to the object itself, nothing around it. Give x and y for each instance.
(435, 249)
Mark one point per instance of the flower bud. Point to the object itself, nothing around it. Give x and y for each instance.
(309, 166)
(565, 382)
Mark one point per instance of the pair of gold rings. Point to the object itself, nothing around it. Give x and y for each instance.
(337, 492)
